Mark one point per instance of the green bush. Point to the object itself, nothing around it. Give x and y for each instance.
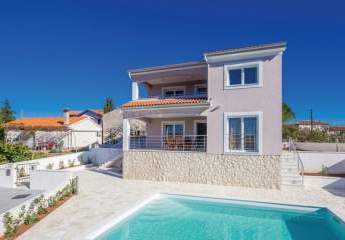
(31, 215)
(50, 166)
(37, 155)
(61, 165)
(14, 152)
(324, 170)
(11, 225)
(71, 163)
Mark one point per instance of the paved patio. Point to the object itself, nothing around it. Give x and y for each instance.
(11, 197)
(103, 197)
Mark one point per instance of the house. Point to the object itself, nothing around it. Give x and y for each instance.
(315, 125)
(45, 133)
(94, 114)
(217, 120)
(112, 127)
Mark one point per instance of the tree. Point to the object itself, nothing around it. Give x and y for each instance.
(288, 114)
(108, 106)
(6, 112)
(6, 115)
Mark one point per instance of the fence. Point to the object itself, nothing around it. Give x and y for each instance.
(54, 140)
(171, 143)
(24, 172)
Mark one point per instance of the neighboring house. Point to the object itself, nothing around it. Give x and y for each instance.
(54, 132)
(112, 126)
(315, 124)
(94, 114)
(340, 130)
(213, 121)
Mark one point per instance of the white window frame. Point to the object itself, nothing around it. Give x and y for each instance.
(173, 88)
(258, 65)
(199, 85)
(172, 122)
(259, 116)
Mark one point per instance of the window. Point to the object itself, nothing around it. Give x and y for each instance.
(200, 89)
(173, 91)
(243, 75)
(173, 128)
(241, 133)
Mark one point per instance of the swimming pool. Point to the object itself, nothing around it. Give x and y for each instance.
(171, 217)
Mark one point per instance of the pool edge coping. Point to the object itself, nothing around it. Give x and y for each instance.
(92, 235)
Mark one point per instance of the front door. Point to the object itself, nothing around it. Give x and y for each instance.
(201, 132)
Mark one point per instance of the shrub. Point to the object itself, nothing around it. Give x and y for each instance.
(61, 165)
(14, 152)
(2, 159)
(51, 201)
(324, 170)
(37, 155)
(41, 204)
(71, 163)
(31, 215)
(56, 150)
(74, 185)
(11, 225)
(22, 172)
(50, 166)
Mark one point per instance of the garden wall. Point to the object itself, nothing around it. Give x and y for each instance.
(7, 176)
(204, 168)
(320, 147)
(44, 179)
(78, 158)
(314, 161)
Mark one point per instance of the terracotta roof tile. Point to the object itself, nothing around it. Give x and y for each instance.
(41, 122)
(165, 101)
(77, 112)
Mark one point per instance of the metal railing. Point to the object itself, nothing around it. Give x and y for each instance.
(24, 171)
(297, 157)
(169, 143)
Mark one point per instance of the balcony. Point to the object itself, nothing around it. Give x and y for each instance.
(196, 143)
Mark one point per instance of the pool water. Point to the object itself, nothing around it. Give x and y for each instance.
(174, 217)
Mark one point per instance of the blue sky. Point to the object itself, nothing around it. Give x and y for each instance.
(56, 54)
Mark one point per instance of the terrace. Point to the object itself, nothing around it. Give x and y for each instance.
(172, 100)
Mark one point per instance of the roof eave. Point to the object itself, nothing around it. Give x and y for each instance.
(245, 53)
(205, 104)
(164, 68)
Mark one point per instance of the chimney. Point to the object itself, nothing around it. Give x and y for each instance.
(66, 115)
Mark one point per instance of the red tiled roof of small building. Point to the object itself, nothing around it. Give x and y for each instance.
(41, 122)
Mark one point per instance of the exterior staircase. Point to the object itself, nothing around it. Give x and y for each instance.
(291, 170)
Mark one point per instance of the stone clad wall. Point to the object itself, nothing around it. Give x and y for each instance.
(205, 168)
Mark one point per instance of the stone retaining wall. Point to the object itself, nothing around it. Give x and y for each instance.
(205, 168)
